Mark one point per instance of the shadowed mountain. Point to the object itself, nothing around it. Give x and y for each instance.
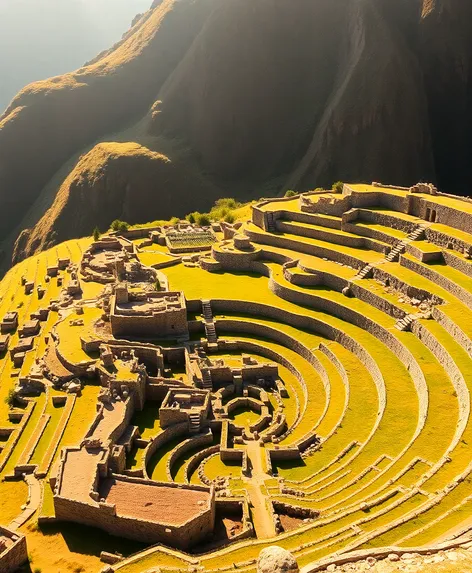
(212, 97)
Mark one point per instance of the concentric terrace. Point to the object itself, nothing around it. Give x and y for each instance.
(196, 394)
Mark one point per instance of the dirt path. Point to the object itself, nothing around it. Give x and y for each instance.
(34, 499)
(262, 517)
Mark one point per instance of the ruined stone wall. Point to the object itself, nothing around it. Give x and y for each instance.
(159, 325)
(407, 289)
(447, 241)
(309, 249)
(166, 436)
(369, 232)
(458, 263)
(429, 273)
(445, 214)
(197, 459)
(14, 556)
(104, 517)
(199, 441)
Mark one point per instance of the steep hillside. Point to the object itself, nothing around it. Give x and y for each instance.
(114, 181)
(245, 98)
(446, 58)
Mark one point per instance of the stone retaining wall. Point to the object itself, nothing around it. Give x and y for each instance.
(16, 554)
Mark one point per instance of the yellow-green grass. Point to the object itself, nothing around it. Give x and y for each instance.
(395, 233)
(147, 420)
(157, 464)
(364, 188)
(180, 465)
(26, 435)
(69, 547)
(214, 467)
(69, 336)
(150, 258)
(362, 254)
(12, 496)
(55, 413)
(451, 501)
(244, 417)
(451, 232)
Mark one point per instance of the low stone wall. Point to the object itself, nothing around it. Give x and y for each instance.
(198, 458)
(103, 516)
(369, 232)
(166, 436)
(453, 288)
(453, 329)
(187, 445)
(310, 249)
(455, 375)
(16, 554)
(458, 263)
(409, 290)
(423, 256)
(446, 241)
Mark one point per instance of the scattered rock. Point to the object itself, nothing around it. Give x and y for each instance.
(276, 560)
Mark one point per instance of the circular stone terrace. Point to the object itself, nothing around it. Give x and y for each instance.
(305, 383)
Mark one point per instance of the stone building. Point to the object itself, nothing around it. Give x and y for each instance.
(13, 550)
(148, 314)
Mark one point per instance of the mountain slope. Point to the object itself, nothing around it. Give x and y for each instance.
(243, 98)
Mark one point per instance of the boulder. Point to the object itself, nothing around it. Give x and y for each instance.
(276, 560)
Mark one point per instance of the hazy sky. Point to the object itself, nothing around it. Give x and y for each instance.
(44, 38)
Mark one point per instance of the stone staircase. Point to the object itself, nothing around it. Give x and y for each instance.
(194, 422)
(271, 223)
(207, 383)
(210, 329)
(365, 272)
(395, 253)
(418, 234)
(405, 323)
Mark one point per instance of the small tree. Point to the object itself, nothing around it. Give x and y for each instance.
(290, 193)
(96, 234)
(10, 398)
(157, 284)
(338, 187)
(191, 218)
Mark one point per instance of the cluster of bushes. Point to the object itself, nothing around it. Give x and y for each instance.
(222, 210)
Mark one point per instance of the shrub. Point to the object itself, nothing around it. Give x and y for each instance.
(96, 234)
(227, 202)
(37, 570)
(10, 398)
(229, 218)
(191, 218)
(202, 219)
(119, 226)
(290, 193)
(157, 284)
(338, 186)
(174, 221)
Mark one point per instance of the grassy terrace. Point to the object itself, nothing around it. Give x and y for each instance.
(382, 454)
